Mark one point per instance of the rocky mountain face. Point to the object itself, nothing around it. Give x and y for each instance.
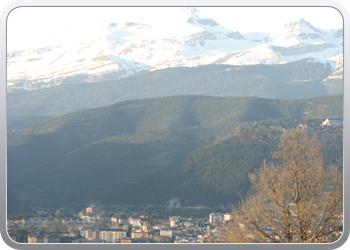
(186, 39)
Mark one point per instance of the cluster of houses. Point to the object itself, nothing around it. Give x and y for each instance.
(93, 226)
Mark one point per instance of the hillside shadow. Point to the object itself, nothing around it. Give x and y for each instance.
(261, 109)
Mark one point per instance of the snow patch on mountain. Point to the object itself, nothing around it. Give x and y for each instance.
(186, 38)
(255, 36)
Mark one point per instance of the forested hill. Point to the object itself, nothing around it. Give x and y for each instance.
(210, 176)
(56, 137)
(217, 174)
(299, 79)
(118, 145)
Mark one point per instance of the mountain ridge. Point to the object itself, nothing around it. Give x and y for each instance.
(124, 142)
(299, 79)
(124, 49)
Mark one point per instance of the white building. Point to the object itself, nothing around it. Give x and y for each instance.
(329, 122)
(227, 217)
(112, 236)
(216, 217)
(168, 233)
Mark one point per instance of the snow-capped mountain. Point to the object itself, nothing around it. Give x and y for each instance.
(295, 41)
(186, 39)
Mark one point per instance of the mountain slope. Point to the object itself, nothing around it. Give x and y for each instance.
(294, 80)
(209, 176)
(216, 175)
(186, 38)
(124, 142)
(98, 169)
(56, 137)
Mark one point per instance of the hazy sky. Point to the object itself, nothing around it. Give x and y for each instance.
(29, 27)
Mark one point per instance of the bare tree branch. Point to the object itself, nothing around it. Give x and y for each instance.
(297, 201)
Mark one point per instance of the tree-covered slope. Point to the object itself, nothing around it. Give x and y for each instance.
(117, 145)
(49, 140)
(286, 81)
(209, 176)
(217, 174)
(98, 169)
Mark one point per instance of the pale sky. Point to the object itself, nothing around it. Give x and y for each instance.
(29, 27)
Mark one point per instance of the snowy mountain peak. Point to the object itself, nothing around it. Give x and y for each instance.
(300, 25)
(298, 20)
(187, 10)
(186, 38)
(296, 33)
(125, 26)
(189, 14)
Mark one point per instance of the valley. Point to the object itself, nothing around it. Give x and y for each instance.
(175, 118)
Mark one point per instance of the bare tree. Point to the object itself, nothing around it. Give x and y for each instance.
(235, 231)
(297, 200)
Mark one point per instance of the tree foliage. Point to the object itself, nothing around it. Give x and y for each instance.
(298, 200)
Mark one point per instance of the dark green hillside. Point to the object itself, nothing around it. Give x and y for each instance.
(287, 81)
(20, 122)
(209, 176)
(71, 150)
(99, 169)
(52, 139)
(32, 150)
(218, 173)
(311, 108)
(55, 138)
